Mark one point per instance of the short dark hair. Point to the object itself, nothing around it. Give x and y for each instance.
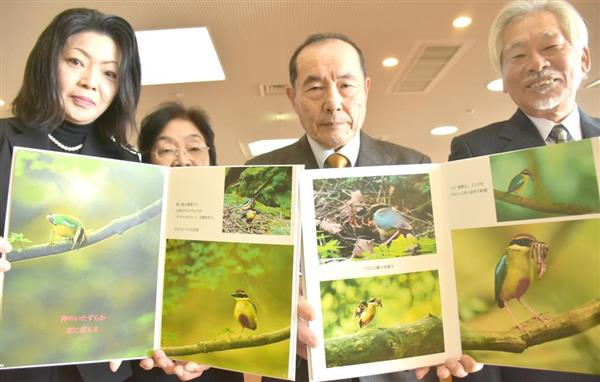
(317, 38)
(154, 123)
(38, 104)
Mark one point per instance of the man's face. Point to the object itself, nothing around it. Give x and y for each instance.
(330, 93)
(540, 68)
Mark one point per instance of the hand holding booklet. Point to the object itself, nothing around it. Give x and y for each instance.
(113, 259)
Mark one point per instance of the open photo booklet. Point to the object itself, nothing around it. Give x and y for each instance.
(113, 259)
(497, 257)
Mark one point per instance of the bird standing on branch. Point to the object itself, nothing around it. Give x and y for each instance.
(365, 311)
(244, 311)
(519, 182)
(67, 227)
(515, 272)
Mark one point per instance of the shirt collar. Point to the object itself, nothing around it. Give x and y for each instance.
(572, 123)
(349, 150)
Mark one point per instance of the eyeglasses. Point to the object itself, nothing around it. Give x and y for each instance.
(172, 153)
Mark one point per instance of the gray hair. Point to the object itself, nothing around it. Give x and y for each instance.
(569, 19)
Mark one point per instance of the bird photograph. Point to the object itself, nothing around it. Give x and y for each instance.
(244, 310)
(233, 298)
(63, 266)
(373, 217)
(257, 200)
(544, 182)
(66, 227)
(380, 309)
(536, 287)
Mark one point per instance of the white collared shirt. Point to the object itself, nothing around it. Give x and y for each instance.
(572, 123)
(349, 150)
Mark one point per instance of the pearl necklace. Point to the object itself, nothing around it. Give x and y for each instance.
(64, 147)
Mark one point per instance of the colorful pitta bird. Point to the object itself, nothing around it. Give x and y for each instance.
(365, 311)
(516, 270)
(244, 311)
(389, 222)
(519, 182)
(248, 204)
(67, 227)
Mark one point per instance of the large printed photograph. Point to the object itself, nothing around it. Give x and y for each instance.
(529, 294)
(228, 305)
(86, 236)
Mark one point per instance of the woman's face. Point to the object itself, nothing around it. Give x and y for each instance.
(180, 144)
(88, 76)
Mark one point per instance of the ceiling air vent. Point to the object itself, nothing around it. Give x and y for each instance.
(430, 61)
(272, 89)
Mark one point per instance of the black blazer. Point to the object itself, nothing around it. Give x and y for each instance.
(514, 134)
(372, 153)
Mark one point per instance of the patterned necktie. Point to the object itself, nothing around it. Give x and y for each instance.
(336, 160)
(559, 134)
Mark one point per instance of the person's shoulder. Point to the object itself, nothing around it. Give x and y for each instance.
(10, 127)
(285, 155)
(398, 154)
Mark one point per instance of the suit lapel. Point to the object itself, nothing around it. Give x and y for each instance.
(302, 152)
(518, 133)
(30, 138)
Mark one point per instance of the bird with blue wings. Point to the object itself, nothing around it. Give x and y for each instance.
(389, 222)
(519, 182)
(524, 259)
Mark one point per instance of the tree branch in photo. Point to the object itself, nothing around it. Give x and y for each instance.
(424, 336)
(115, 227)
(514, 340)
(548, 207)
(229, 344)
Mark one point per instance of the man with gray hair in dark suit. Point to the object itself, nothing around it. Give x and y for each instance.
(540, 48)
(329, 90)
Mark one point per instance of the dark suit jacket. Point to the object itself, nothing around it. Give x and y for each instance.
(515, 134)
(14, 133)
(372, 152)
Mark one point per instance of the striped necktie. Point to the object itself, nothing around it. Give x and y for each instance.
(559, 134)
(336, 160)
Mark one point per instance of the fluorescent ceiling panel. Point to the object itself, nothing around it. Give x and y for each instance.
(267, 145)
(173, 56)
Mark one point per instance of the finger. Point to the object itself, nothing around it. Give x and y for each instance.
(455, 368)
(307, 336)
(5, 246)
(421, 372)
(469, 364)
(193, 367)
(305, 311)
(442, 372)
(147, 363)
(4, 265)
(114, 365)
(301, 350)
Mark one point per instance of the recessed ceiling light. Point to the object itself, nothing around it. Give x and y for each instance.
(496, 85)
(281, 117)
(444, 130)
(172, 56)
(461, 22)
(1, 102)
(390, 62)
(266, 145)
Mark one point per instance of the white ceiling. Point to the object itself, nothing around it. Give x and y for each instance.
(254, 40)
